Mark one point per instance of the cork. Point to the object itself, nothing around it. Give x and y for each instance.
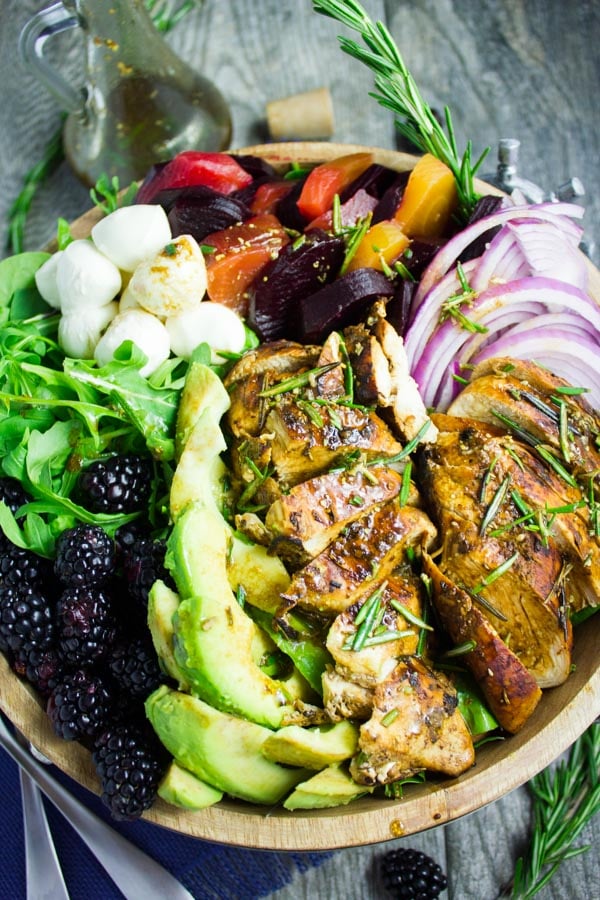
(306, 116)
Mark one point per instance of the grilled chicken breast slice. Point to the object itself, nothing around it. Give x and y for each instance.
(532, 397)
(414, 726)
(366, 553)
(372, 378)
(511, 692)
(278, 358)
(310, 515)
(331, 385)
(308, 443)
(514, 576)
(345, 699)
(541, 490)
(372, 664)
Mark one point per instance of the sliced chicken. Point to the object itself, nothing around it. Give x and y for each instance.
(372, 664)
(511, 692)
(308, 442)
(541, 490)
(531, 397)
(310, 515)
(276, 358)
(512, 574)
(332, 384)
(414, 726)
(372, 379)
(344, 699)
(406, 406)
(368, 551)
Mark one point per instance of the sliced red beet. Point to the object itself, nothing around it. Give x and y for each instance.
(375, 180)
(287, 209)
(340, 303)
(255, 166)
(485, 206)
(390, 200)
(199, 211)
(298, 272)
(397, 309)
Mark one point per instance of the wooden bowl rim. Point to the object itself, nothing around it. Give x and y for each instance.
(562, 716)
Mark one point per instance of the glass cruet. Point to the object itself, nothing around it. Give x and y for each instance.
(139, 102)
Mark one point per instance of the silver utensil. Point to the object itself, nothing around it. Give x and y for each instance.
(44, 875)
(134, 872)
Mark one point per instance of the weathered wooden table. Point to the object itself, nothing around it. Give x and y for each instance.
(508, 68)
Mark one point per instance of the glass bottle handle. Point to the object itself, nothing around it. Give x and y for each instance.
(43, 25)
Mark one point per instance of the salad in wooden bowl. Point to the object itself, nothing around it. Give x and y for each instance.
(300, 496)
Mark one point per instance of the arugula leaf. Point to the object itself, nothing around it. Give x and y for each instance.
(17, 275)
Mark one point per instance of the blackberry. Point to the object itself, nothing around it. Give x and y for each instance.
(130, 763)
(18, 566)
(127, 535)
(86, 625)
(134, 666)
(85, 554)
(42, 667)
(121, 484)
(26, 618)
(143, 563)
(409, 874)
(12, 493)
(80, 706)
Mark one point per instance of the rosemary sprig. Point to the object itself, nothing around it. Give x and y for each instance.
(453, 307)
(304, 379)
(397, 90)
(565, 799)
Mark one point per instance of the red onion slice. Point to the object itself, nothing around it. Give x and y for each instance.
(559, 213)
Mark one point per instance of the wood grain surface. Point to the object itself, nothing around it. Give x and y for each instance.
(509, 68)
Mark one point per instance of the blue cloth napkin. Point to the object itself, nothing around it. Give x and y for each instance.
(209, 871)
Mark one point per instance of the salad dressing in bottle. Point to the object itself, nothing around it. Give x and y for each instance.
(140, 103)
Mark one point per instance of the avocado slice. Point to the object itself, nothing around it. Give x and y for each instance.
(330, 787)
(162, 606)
(312, 748)
(216, 644)
(182, 788)
(223, 750)
(203, 391)
(201, 473)
(263, 577)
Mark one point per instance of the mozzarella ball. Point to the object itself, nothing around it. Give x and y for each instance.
(79, 332)
(172, 282)
(45, 279)
(211, 323)
(85, 277)
(131, 234)
(144, 330)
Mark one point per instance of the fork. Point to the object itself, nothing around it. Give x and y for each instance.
(134, 872)
(44, 874)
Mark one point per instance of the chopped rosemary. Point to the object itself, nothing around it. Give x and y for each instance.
(385, 638)
(563, 432)
(366, 619)
(410, 616)
(406, 450)
(313, 414)
(298, 381)
(406, 483)
(348, 372)
(353, 237)
(536, 443)
(452, 307)
(460, 649)
(389, 717)
(402, 271)
(496, 573)
(398, 91)
(251, 488)
(495, 505)
(571, 391)
(486, 477)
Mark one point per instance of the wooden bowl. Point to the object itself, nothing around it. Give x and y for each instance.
(563, 714)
